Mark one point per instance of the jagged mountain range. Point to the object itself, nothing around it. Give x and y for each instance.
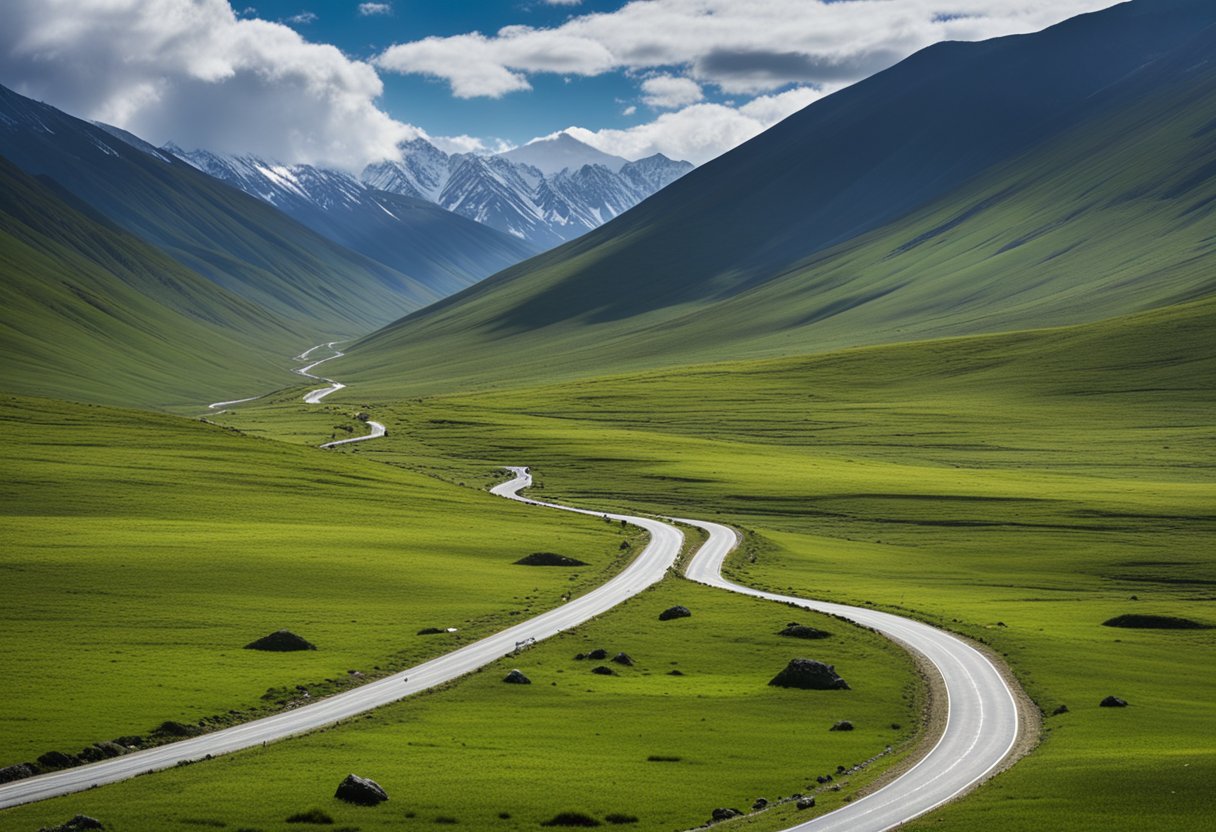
(521, 198)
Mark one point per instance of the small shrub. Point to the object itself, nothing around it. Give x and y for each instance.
(311, 816)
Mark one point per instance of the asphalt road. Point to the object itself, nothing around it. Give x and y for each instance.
(982, 724)
(648, 568)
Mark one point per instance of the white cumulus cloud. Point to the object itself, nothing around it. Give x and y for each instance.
(369, 9)
(741, 46)
(699, 132)
(668, 92)
(194, 72)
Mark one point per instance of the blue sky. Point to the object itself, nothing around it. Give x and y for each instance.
(345, 82)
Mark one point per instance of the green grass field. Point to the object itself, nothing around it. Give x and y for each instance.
(143, 551)
(572, 740)
(1020, 488)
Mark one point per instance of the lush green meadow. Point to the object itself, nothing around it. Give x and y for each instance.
(141, 552)
(572, 740)
(1021, 489)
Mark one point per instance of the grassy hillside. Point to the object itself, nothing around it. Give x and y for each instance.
(89, 312)
(143, 551)
(1022, 488)
(241, 243)
(1107, 216)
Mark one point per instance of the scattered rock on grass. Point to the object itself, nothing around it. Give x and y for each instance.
(599, 654)
(623, 659)
(675, 673)
(1154, 622)
(805, 803)
(843, 725)
(724, 814)
(603, 671)
(760, 803)
(1063, 709)
(808, 674)
(281, 641)
(570, 819)
(18, 772)
(80, 822)
(1108, 702)
(169, 728)
(678, 611)
(360, 791)
(796, 630)
(517, 678)
(548, 559)
(57, 759)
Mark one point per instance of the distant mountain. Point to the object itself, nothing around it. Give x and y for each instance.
(240, 243)
(1021, 182)
(561, 152)
(445, 251)
(521, 199)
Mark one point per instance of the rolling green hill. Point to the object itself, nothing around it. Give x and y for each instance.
(239, 242)
(1103, 205)
(91, 312)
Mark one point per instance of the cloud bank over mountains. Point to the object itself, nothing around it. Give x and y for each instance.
(197, 72)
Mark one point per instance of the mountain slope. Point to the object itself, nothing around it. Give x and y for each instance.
(441, 249)
(1079, 189)
(90, 312)
(237, 241)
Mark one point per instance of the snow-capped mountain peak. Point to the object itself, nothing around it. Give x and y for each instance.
(555, 192)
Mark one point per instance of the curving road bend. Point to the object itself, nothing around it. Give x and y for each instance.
(982, 722)
(648, 568)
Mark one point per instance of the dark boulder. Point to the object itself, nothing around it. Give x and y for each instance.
(1136, 621)
(603, 671)
(360, 791)
(18, 772)
(677, 611)
(1108, 702)
(796, 630)
(57, 759)
(76, 824)
(808, 674)
(282, 641)
(623, 659)
(761, 803)
(843, 725)
(599, 654)
(675, 673)
(1063, 709)
(548, 559)
(431, 631)
(805, 803)
(516, 678)
(724, 814)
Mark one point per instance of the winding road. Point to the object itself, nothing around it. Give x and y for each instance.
(981, 729)
(982, 714)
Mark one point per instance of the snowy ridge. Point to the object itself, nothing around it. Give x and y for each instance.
(520, 198)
